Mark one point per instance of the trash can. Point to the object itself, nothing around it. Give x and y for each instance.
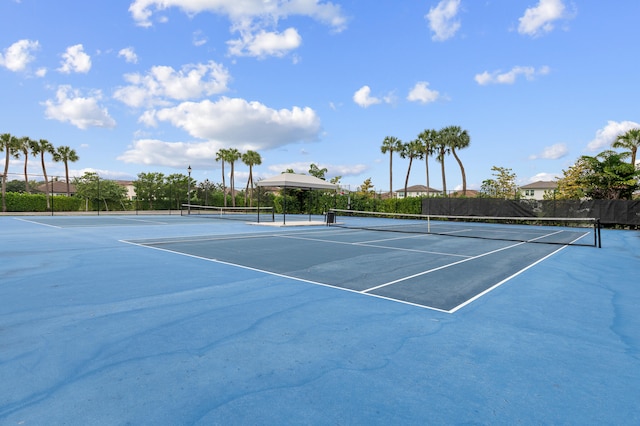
(331, 218)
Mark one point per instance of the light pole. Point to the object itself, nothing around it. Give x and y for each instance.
(189, 190)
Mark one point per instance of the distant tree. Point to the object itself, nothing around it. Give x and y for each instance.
(149, 187)
(411, 150)
(608, 177)
(26, 147)
(442, 150)
(66, 154)
(233, 155)
(250, 158)
(317, 171)
(176, 188)
(90, 187)
(366, 189)
(206, 186)
(629, 140)
(428, 139)
(456, 139)
(570, 185)
(391, 144)
(335, 180)
(10, 146)
(503, 185)
(221, 156)
(42, 147)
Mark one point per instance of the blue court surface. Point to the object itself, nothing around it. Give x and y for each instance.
(170, 320)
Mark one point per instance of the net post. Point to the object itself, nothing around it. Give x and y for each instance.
(598, 237)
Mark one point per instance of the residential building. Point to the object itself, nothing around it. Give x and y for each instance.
(417, 191)
(536, 190)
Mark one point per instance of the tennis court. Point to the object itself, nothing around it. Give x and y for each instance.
(167, 319)
(431, 271)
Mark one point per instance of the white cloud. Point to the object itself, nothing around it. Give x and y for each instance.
(129, 55)
(172, 154)
(442, 19)
(421, 93)
(17, 56)
(609, 133)
(263, 43)
(363, 97)
(332, 169)
(539, 19)
(162, 83)
(509, 77)
(244, 125)
(82, 112)
(250, 18)
(552, 152)
(544, 177)
(75, 60)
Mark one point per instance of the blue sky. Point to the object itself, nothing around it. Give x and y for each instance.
(157, 85)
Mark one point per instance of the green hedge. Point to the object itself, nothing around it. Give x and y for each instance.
(22, 202)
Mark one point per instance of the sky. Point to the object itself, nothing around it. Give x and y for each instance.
(159, 85)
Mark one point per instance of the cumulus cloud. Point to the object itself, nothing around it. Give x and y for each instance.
(421, 93)
(81, 111)
(509, 77)
(265, 43)
(442, 19)
(243, 124)
(18, 56)
(540, 18)
(251, 19)
(552, 152)
(171, 154)
(162, 84)
(75, 60)
(363, 97)
(129, 55)
(609, 133)
(332, 169)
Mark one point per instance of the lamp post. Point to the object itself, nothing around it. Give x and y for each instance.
(189, 190)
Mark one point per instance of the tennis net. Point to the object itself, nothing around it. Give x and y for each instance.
(252, 214)
(564, 231)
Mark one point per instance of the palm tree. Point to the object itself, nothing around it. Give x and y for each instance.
(9, 145)
(26, 146)
(221, 155)
(629, 140)
(233, 155)
(390, 144)
(40, 148)
(456, 138)
(427, 140)
(250, 158)
(442, 149)
(410, 150)
(66, 154)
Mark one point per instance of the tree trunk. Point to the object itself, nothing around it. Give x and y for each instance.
(464, 176)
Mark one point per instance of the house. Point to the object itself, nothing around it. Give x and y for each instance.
(471, 193)
(417, 191)
(536, 190)
(57, 187)
(128, 185)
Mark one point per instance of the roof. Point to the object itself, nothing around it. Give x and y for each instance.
(541, 184)
(293, 180)
(57, 186)
(418, 188)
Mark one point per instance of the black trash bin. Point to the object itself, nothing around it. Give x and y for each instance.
(331, 217)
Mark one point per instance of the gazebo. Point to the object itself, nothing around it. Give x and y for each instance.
(293, 180)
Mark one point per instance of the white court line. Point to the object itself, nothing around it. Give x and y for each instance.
(38, 223)
(275, 274)
(366, 244)
(479, 295)
(439, 268)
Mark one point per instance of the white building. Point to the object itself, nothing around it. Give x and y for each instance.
(536, 190)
